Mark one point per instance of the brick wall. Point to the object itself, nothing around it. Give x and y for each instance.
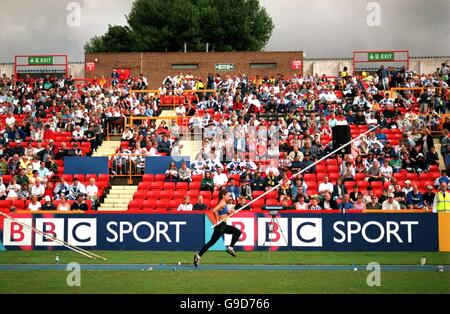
(156, 66)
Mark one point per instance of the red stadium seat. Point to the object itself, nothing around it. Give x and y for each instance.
(144, 186)
(195, 185)
(180, 186)
(135, 205)
(152, 194)
(169, 186)
(149, 204)
(148, 177)
(160, 177)
(103, 177)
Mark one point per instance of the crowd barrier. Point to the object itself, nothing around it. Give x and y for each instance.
(260, 231)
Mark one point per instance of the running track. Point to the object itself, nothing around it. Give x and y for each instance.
(190, 267)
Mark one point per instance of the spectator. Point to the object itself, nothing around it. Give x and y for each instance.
(359, 204)
(428, 198)
(355, 194)
(386, 171)
(77, 188)
(78, 134)
(407, 188)
(396, 164)
(164, 145)
(207, 183)
(325, 187)
(200, 205)
(300, 203)
(374, 205)
(328, 203)
(346, 203)
(444, 178)
(314, 204)
(367, 198)
(271, 180)
(43, 173)
(186, 205)
(34, 205)
(64, 205)
(48, 205)
(38, 189)
(391, 203)
(233, 190)
(246, 189)
(171, 173)
(258, 182)
(61, 189)
(220, 179)
(400, 196)
(414, 199)
(420, 165)
(432, 157)
(13, 190)
(92, 193)
(79, 204)
(339, 189)
(374, 172)
(3, 193)
(24, 192)
(241, 203)
(284, 191)
(184, 173)
(348, 171)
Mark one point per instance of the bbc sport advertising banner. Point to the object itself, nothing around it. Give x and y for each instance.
(188, 232)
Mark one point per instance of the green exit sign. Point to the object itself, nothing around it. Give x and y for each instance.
(40, 60)
(381, 56)
(224, 67)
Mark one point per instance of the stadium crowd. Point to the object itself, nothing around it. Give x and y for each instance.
(278, 126)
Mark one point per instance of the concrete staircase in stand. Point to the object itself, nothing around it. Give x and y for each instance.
(118, 198)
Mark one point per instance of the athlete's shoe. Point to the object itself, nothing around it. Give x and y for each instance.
(230, 251)
(196, 260)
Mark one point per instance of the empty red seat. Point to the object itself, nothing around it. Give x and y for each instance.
(169, 186)
(160, 177)
(148, 177)
(161, 205)
(149, 204)
(156, 185)
(144, 185)
(103, 177)
(182, 186)
(195, 185)
(152, 194)
(135, 205)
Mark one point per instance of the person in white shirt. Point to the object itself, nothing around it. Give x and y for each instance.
(38, 189)
(13, 190)
(386, 171)
(220, 179)
(390, 203)
(186, 205)
(34, 204)
(407, 188)
(325, 186)
(2, 189)
(92, 190)
(78, 134)
(301, 204)
(180, 110)
(10, 120)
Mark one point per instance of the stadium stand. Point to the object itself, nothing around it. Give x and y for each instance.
(44, 120)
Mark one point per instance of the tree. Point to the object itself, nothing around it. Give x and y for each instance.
(161, 25)
(116, 39)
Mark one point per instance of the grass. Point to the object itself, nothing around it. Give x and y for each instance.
(238, 281)
(297, 258)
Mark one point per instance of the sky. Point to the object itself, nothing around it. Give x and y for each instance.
(320, 28)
